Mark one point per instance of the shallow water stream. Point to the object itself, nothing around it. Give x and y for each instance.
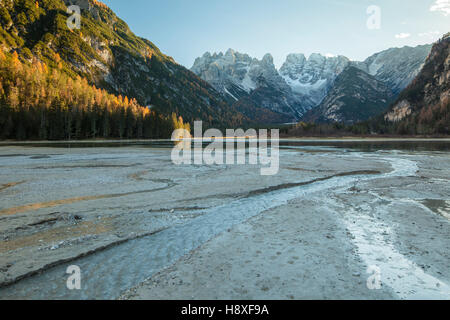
(106, 274)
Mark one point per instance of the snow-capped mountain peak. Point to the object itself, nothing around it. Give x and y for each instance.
(314, 76)
(301, 83)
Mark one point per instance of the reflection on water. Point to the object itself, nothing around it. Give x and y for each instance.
(358, 145)
(372, 146)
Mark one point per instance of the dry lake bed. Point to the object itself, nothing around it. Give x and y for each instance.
(341, 220)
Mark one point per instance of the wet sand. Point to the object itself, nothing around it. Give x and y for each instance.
(59, 205)
(320, 247)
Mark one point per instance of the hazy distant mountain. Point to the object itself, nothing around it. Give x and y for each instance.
(356, 96)
(256, 87)
(396, 67)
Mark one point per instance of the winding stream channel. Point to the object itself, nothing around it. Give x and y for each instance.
(108, 273)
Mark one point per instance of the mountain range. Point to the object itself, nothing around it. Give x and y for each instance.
(303, 84)
(228, 89)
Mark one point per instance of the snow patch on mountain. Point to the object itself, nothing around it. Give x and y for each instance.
(314, 76)
(301, 83)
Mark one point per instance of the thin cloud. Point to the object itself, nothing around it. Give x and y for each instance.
(402, 35)
(442, 6)
(430, 34)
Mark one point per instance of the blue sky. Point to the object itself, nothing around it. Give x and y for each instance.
(186, 29)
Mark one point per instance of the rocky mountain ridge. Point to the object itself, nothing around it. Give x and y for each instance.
(396, 67)
(301, 84)
(355, 96)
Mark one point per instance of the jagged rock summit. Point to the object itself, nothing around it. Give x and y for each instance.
(301, 84)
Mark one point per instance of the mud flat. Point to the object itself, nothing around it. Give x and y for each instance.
(140, 227)
(326, 245)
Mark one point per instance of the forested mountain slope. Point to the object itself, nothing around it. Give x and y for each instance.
(424, 106)
(109, 56)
